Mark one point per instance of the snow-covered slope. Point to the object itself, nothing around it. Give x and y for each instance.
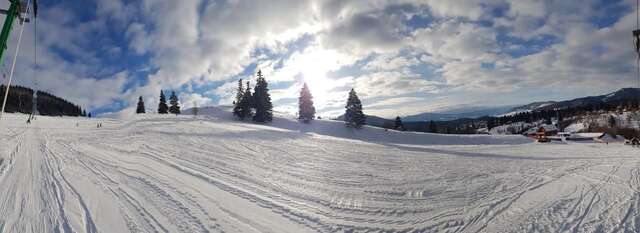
(624, 95)
(366, 133)
(211, 173)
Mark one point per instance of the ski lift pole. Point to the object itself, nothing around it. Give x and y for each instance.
(636, 42)
(15, 9)
(12, 14)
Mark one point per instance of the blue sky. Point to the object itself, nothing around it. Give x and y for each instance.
(402, 57)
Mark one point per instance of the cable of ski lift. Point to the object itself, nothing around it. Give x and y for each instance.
(34, 110)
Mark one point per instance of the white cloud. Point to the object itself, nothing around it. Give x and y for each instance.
(454, 40)
(189, 100)
(390, 62)
(386, 84)
(369, 45)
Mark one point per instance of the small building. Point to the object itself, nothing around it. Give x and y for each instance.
(543, 130)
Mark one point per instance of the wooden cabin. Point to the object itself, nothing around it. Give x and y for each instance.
(541, 135)
(545, 130)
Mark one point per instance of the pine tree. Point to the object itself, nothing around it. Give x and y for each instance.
(175, 106)
(140, 108)
(432, 127)
(398, 124)
(306, 111)
(262, 100)
(354, 115)
(246, 103)
(612, 121)
(237, 108)
(162, 106)
(491, 122)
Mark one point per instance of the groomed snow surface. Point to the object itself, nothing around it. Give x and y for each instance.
(214, 174)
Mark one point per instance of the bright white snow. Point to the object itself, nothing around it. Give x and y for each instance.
(214, 174)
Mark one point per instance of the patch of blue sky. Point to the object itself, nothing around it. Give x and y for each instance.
(427, 72)
(117, 105)
(141, 75)
(488, 65)
(499, 11)
(83, 11)
(518, 47)
(609, 12)
(418, 21)
(125, 59)
(353, 70)
(63, 54)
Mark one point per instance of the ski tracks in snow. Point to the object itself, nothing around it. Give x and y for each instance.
(149, 175)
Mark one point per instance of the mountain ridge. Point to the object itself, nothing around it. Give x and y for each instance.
(413, 122)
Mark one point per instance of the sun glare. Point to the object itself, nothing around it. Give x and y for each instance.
(314, 68)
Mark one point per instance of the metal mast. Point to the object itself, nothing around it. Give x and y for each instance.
(636, 37)
(17, 9)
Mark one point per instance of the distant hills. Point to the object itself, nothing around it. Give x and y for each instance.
(21, 100)
(456, 118)
(455, 114)
(622, 95)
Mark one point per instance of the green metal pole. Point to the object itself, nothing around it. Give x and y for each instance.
(12, 13)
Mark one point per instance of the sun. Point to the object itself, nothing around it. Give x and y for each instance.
(314, 67)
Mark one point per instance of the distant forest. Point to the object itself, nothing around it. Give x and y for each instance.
(21, 100)
(564, 116)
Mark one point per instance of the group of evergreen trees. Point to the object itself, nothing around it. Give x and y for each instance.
(256, 105)
(20, 100)
(162, 105)
(564, 113)
(562, 117)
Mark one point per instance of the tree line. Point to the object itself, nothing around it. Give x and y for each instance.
(563, 114)
(21, 99)
(163, 108)
(562, 117)
(257, 105)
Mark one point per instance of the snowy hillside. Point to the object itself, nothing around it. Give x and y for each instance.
(209, 173)
(366, 133)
